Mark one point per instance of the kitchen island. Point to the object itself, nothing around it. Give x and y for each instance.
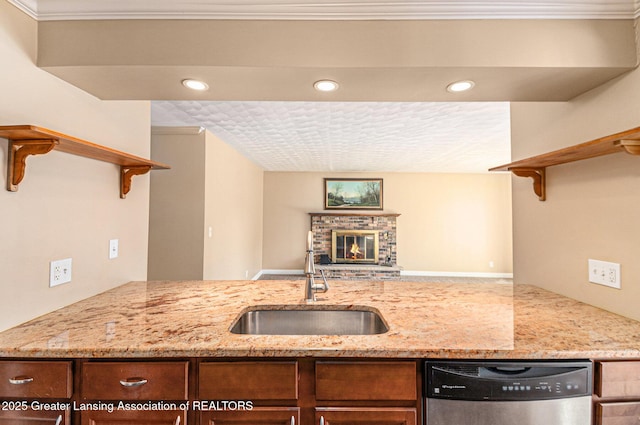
(163, 352)
(425, 320)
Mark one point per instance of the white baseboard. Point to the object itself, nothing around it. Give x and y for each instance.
(456, 274)
(282, 271)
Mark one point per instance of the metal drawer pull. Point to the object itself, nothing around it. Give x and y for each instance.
(19, 380)
(178, 420)
(59, 420)
(133, 382)
(293, 420)
(321, 420)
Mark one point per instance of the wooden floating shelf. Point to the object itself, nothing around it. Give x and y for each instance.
(26, 140)
(534, 167)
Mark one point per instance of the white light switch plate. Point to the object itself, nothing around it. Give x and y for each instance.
(113, 249)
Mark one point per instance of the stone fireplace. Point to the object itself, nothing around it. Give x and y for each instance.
(359, 246)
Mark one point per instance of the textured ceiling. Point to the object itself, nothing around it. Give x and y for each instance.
(328, 9)
(353, 136)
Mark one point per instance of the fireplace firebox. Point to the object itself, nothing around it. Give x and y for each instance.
(354, 246)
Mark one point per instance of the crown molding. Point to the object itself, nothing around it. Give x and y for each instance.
(30, 7)
(48, 10)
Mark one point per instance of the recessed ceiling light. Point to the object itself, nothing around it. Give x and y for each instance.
(460, 86)
(195, 84)
(325, 85)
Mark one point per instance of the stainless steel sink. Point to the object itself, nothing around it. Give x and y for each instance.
(309, 320)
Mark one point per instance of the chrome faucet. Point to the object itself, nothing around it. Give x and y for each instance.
(311, 288)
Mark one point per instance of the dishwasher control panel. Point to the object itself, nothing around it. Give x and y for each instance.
(506, 381)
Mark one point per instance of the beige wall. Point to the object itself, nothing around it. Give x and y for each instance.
(234, 211)
(66, 206)
(449, 222)
(176, 214)
(592, 206)
(206, 212)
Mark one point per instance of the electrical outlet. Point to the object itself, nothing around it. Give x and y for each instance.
(59, 272)
(604, 273)
(113, 249)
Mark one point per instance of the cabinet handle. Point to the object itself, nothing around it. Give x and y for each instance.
(59, 420)
(321, 420)
(293, 420)
(178, 420)
(133, 382)
(19, 380)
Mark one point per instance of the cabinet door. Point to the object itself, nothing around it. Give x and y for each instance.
(366, 381)
(627, 413)
(134, 381)
(103, 417)
(35, 379)
(31, 417)
(368, 415)
(257, 416)
(618, 379)
(276, 381)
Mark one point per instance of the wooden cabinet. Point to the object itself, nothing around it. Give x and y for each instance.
(210, 392)
(35, 392)
(263, 392)
(256, 416)
(372, 392)
(365, 381)
(256, 381)
(312, 392)
(368, 415)
(134, 393)
(617, 391)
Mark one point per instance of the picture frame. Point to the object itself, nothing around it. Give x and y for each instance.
(353, 194)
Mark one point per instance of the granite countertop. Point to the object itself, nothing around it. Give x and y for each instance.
(426, 320)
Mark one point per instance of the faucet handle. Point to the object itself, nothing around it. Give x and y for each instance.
(321, 287)
(324, 278)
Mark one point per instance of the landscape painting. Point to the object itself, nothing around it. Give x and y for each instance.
(353, 194)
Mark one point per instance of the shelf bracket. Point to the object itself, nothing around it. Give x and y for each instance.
(127, 173)
(538, 176)
(630, 146)
(19, 150)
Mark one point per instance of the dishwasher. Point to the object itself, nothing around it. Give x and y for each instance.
(508, 392)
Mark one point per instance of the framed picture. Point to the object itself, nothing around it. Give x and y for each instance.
(352, 194)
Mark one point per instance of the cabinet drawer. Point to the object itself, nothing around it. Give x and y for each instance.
(31, 417)
(35, 379)
(134, 381)
(366, 415)
(366, 381)
(162, 417)
(258, 415)
(618, 379)
(618, 413)
(248, 381)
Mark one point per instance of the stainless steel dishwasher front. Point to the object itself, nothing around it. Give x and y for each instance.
(508, 393)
